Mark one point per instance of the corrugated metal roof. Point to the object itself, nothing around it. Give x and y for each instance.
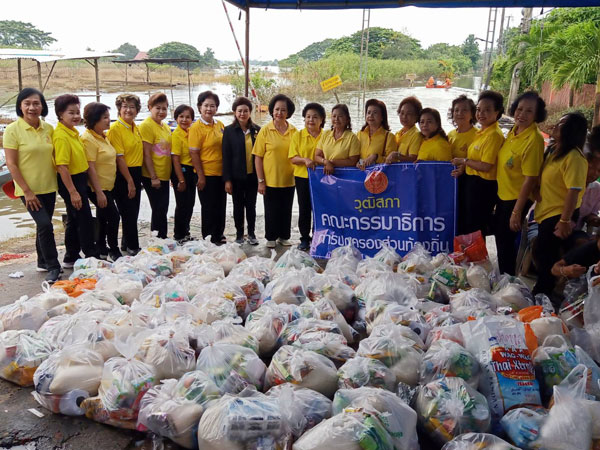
(49, 55)
(372, 4)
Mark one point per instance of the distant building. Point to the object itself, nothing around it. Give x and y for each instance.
(141, 55)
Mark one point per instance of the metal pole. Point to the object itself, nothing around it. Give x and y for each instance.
(247, 59)
(39, 67)
(20, 74)
(501, 35)
(126, 79)
(189, 83)
(97, 72)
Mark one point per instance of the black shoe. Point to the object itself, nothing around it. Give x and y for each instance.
(53, 275)
(114, 255)
(304, 246)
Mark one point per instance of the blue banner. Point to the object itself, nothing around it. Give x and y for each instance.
(397, 204)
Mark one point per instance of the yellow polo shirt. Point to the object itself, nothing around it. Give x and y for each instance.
(179, 145)
(68, 149)
(248, 144)
(99, 150)
(435, 149)
(127, 141)
(558, 177)
(409, 141)
(274, 148)
(159, 136)
(34, 152)
(521, 156)
(374, 144)
(343, 148)
(303, 145)
(485, 148)
(460, 142)
(207, 140)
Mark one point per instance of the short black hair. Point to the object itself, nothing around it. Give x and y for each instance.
(282, 98)
(181, 109)
(436, 116)
(62, 102)
(496, 98)
(203, 96)
(382, 108)
(315, 107)
(540, 106)
(572, 134)
(26, 93)
(463, 98)
(345, 110)
(92, 113)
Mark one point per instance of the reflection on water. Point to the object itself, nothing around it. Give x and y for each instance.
(15, 222)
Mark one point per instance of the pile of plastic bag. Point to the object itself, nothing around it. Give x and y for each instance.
(213, 350)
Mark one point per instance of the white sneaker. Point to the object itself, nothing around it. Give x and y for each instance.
(271, 244)
(284, 242)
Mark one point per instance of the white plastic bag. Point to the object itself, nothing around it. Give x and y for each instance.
(478, 441)
(361, 371)
(21, 352)
(267, 322)
(448, 359)
(168, 351)
(124, 287)
(23, 314)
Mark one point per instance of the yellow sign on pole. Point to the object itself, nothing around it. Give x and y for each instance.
(331, 83)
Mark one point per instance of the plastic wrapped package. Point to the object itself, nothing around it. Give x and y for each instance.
(256, 267)
(522, 425)
(553, 361)
(224, 289)
(214, 308)
(56, 329)
(295, 259)
(21, 352)
(228, 332)
(325, 309)
(446, 280)
(168, 352)
(301, 408)
(23, 314)
(94, 334)
(161, 246)
(367, 268)
(227, 255)
(197, 247)
(361, 371)
(449, 406)
(95, 274)
(395, 352)
(381, 312)
(76, 286)
(170, 312)
(132, 317)
(331, 288)
(510, 291)
(199, 336)
(478, 277)
(252, 288)
(240, 423)
(153, 263)
(303, 368)
(346, 257)
(86, 302)
(450, 333)
(508, 377)
(417, 260)
(472, 303)
(389, 287)
(179, 258)
(547, 326)
(124, 287)
(354, 429)
(571, 309)
(398, 418)
(448, 359)
(162, 290)
(478, 441)
(49, 298)
(441, 317)
(267, 322)
(205, 268)
(294, 329)
(66, 377)
(398, 332)
(289, 287)
(388, 256)
(232, 367)
(593, 382)
(197, 386)
(331, 345)
(91, 263)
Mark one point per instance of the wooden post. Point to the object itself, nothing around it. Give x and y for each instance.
(247, 57)
(97, 72)
(20, 75)
(189, 83)
(39, 67)
(126, 80)
(147, 74)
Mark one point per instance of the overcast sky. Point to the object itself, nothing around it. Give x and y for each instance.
(106, 24)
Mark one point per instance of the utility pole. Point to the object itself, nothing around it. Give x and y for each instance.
(489, 47)
(501, 49)
(516, 75)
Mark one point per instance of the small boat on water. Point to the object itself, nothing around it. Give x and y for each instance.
(439, 86)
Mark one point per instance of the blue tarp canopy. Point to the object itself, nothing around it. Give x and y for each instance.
(362, 4)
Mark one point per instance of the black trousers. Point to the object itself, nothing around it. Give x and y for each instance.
(108, 223)
(506, 239)
(159, 202)
(278, 212)
(547, 250)
(129, 208)
(213, 199)
(244, 199)
(461, 208)
(45, 245)
(304, 208)
(184, 201)
(79, 226)
(480, 199)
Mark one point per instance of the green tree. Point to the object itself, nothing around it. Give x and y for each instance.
(23, 35)
(384, 43)
(470, 49)
(313, 52)
(176, 50)
(129, 50)
(208, 58)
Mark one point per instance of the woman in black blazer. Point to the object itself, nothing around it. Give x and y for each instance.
(239, 174)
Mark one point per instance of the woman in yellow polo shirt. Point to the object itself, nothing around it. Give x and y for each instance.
(375, 138)
(435, 145)
(102, 171)
(239, 174)
(72, 166)
(562, 182)
(408, 139)
(28, 151)
(183, 176)
(462, 114)
(205, 141)
(275, 172)
(156, 171)
(338, 147)
(481, 189)
(302, 156)
(125, 137)
(519, 163)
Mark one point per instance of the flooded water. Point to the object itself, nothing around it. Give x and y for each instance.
(15, 222)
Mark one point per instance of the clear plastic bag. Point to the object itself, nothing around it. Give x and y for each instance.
(448, 359)
(330, 345)
(388, 256)
(86, 302)
(361, 371)
(232, 367)
(198, 247)
(23, 314)
(224, 289)
(267, 322)
(91, 263)
(227, 256)
(303, 368)
(478, 441)
(131, 317)
(168, 351)
(381, 313)
(449, 406)
(204, 269)
(511, 291)
(256, 267)
(92, 333)
(389, 287)
(124, 287)
(162, 290)
(295, 259)
(294, 329)
(325, 309)
(478, 277)
(472, 303)
(418, 260)
(179, 258)
(160, 246)
(450, 333)
(446, 280)
(289, 287)
(228, 332)
(398, 332)
(153, 263)
(331, 288)
(252, 288)
(49, 298)
(368, 268)
(21, 352)
(214, 308)
(553, 361)
(522, 425)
